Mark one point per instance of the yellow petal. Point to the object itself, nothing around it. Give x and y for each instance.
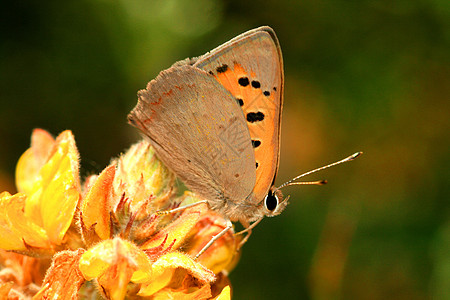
(203, 292)
(96, 207)
(114, 281)
(173, 261)
(159, 281)
(30, 163)
(221, 287)
(178, 229)
(15, 228)
(225, 294)
(96, 261)
(63, 279)
(56, 192)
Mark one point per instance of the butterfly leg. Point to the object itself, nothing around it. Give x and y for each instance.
(248, 230)
(214, 238)
(171, 211)
(244, 240)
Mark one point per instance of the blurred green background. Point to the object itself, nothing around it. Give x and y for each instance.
(360, 75)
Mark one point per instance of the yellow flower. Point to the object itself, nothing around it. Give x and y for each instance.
(35, 220)
(62, 239)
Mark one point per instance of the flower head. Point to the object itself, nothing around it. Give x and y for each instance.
(62, 238)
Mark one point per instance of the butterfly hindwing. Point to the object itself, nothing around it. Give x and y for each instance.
(250, 66)
(207, 146)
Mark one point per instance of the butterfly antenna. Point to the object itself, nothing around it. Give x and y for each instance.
(320, 182)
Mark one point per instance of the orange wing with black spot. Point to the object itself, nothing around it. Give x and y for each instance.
(250, 66)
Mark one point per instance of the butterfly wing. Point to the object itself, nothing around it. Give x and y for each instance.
(207, 145)
(250, 66)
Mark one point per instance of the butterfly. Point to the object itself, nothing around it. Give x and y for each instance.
(215, 121)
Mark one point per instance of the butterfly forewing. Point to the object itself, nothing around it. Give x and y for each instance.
(250, 67)
(206, 145)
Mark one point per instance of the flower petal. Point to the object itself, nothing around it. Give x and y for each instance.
(30, 163)
(63, 279)
(173, 261)
(222, 254)
(24, 271)
(203, 292)
(159, 281)
(114, 281)
(96, 208)
(220, 284)
(178, 229)
(96, 261)
(141, 176)
(56, 192)
(17, 232)
(5, 287)
(225, 294)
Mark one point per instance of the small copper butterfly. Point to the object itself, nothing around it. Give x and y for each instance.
(215, 122)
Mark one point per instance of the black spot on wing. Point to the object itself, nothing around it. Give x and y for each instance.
(240, 101)
(256, 84)
(256, 143)
(255, 117)
(223, 68)
(243, 81)
(266, 93)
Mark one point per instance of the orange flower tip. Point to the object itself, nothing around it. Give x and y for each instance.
(96, 206)
(5, 287)
(40, 138)
(63, 279)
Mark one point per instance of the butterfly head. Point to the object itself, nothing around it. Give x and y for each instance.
(274, 202)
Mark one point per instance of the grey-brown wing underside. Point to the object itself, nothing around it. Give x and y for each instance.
(199, 131)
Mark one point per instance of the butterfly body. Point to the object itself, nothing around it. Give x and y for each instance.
(215, 121)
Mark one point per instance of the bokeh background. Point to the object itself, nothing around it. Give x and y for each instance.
(360, 75)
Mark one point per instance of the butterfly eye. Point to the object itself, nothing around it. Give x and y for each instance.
(271, 201)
